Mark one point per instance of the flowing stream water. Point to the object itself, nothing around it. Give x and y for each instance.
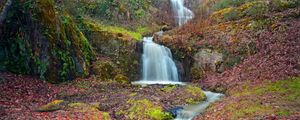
(190, 111)
(158, 66)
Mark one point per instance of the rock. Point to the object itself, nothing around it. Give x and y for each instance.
(174, 111)
(166, 28)
(207, 59)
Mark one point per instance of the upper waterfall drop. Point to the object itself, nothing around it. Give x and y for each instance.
(182, 13)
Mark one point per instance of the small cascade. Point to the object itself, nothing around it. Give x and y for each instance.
(182, 13)
(158, 66)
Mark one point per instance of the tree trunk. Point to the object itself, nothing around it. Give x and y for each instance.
(4, 11)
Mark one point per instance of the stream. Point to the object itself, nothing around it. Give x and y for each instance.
(190, 111)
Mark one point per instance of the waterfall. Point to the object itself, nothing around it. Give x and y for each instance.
(158, 66)
(182, 14)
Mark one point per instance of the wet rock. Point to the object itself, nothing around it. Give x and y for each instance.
(174, 111)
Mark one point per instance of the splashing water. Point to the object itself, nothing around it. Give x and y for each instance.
(182, 14)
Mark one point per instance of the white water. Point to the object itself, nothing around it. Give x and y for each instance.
(158, 65)
(190, 111)
(182, 14)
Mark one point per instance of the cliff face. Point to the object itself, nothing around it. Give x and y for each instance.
(40, 40)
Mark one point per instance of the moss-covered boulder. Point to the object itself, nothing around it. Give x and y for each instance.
(146, 110)
(207, 59)
(196, 93)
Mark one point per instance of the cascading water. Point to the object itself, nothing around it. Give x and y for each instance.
(158, 66)
(182, 14)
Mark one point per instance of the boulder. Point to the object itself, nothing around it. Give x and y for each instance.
(209, 60)
(174, 111)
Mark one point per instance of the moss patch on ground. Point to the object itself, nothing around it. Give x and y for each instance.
(197, 94)
(279, 99)
(145, 109)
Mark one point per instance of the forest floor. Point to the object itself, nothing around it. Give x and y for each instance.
(24, 97)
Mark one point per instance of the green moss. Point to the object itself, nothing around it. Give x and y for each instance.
(52, 106)
(283, 112)
(168, 88)
(132, 94)
(197, 94)
(246, 109)
(194, 90)
(289, 89)
(286, 93)
(114, 30)
(145, 109)
(106, 116)
(143, 30)
(121, 79)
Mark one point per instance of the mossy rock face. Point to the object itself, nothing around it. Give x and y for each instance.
(146, 110)
(46, 42)
(116, 43)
